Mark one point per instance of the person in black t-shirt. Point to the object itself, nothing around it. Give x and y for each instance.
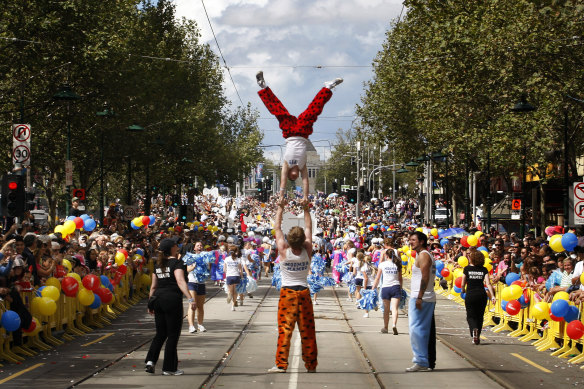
(168, 286)
(474, 278)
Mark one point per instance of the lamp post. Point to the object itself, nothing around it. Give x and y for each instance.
(523, 106)
(107, 113)
(132, 128)
(66, 94)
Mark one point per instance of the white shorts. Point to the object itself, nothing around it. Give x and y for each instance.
(295, 153)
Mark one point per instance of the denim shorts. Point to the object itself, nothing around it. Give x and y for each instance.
(391, 292)
(359, 281)
(234, 280)
(199, 289)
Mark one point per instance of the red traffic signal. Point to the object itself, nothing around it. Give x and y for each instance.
(12, 185)
(516, 204)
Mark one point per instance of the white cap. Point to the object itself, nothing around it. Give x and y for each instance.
(221, 238)
(266, 239)
(230, 240)
(250, 234)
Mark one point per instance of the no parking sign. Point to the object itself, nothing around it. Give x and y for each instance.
(21, 144)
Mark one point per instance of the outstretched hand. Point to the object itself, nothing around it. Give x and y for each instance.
(305, 203)
(282, 202)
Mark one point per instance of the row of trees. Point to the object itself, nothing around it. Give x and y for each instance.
(450, 71)
(150, 68)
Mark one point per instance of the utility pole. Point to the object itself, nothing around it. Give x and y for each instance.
(358, 181)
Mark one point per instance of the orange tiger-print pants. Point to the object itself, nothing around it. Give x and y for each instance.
(296, 306)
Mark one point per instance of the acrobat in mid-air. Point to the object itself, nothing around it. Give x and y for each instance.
(295, 130)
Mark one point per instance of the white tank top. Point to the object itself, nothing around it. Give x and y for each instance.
(295, 153)
(429, 295)
(390, 273)
(295, 268)
(232, 267)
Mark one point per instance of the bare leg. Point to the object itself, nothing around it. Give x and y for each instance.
(200, 302)
(283, 178)
(190, 312)
(385, 313)
(394, 311)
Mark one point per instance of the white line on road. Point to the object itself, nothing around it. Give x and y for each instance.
(293, 383)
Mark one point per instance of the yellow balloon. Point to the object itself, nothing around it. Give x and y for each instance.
(434, 231)
(404, 258)
(69, 227)
(457, 273)
(505, 293)
(420, 229)
(146, 279)
(360, 224)
(171, 229)
(515, 291)
(472, 240)
(120, 258)
(259, 217)
(478, 234)
(47, 306)
(540, 311)
(59, 229)
(450, 277)
(486, 255)
(85, 297)
(487, 260)
(35, 306)
(582, 278)
(67, 265)
(136, 257)
(197, 223)
(52, 281)
(51, 292)
(138, 222)
(556, 243)
(488, 266)
(561, 296)
(463, 261)
(74, 275)
(273, 232)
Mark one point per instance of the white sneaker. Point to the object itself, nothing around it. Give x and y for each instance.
(331, 84)
(276, 369)
(260, 79)
(366, 314)
(178, 372)
(315, 302)
(416, 368)
(192, 329)
(201, 328)
(232, 308)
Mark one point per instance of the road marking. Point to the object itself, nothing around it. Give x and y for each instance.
(531, 363)
(98, 339)
(20, 373)
(293, 383)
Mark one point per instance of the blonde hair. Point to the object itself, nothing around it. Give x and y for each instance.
(296, 237)
(361, 258)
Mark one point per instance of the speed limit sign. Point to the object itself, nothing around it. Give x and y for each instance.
(130, 212)
(21, 144)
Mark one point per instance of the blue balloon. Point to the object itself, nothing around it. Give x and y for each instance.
(569, 241)
(504, 305)
(110, 287)
(560, 308)
(70, 217)
(10, 321)
(134, 226)
(104, 280)
(443, 242)
(573, 314)
(39, 290)
(140, 252)
(85, 217)
(438, 274)
(439, 266)
(511, 278)
(482, 248)
(522, 301)
(463, 296)
(96, 302)
(89, 225)
(457, 289)
(152, 220)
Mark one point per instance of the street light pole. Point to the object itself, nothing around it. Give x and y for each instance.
(107, 113)
(358, 182)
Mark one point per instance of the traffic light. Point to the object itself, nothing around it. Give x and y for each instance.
(13, 195)
(335, 186)
(352, 196)
(175, 200)
(30, 203)
(182, 213)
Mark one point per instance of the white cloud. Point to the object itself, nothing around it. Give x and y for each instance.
(288, 39)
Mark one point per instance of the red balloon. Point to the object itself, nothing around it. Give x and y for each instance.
(70, 286)
(32, 326)
(445, 272)
(575, 329)
(464, 241)
(117, 278)
(145, 221)
(91, 282)
(513, 307)
(105, 295)
(122, 269)
(555, 318)
(458, 282)
(125, 252)
(413, 253)
(60, 271)
(79, 223)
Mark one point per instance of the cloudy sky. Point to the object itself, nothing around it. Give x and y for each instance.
(298, 44)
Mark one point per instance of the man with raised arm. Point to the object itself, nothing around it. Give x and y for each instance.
(295, 305)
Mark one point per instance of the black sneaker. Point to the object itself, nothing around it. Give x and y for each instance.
(149, 369)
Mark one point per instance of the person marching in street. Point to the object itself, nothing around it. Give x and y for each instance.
(295, 304)
(295, 130)
(359, 264)
(368, 272)
(233, 270)
(474, 278)
(165, 303)
(422, 304)
(391, 285)
(198, 292)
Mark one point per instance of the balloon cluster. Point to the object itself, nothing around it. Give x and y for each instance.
(72, 223)
(565, 242)
(142, 221)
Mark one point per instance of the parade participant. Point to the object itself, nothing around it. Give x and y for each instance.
(368, 272)
(391, 285)
(337, 256)
(165, 302)
(421, 310)
(233, 270)
(295, 304)
(217, 273)
(267, 258)
(295, 130)
(349, 251)
(198, 291)
(474, 278)
(358, 264)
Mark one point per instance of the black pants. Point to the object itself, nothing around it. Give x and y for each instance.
(475, 303)
(17, 305)
(432, 345)
(168, 315)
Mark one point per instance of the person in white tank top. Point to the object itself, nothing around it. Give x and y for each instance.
(295, 304)
(390, 268)
(422, 303)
